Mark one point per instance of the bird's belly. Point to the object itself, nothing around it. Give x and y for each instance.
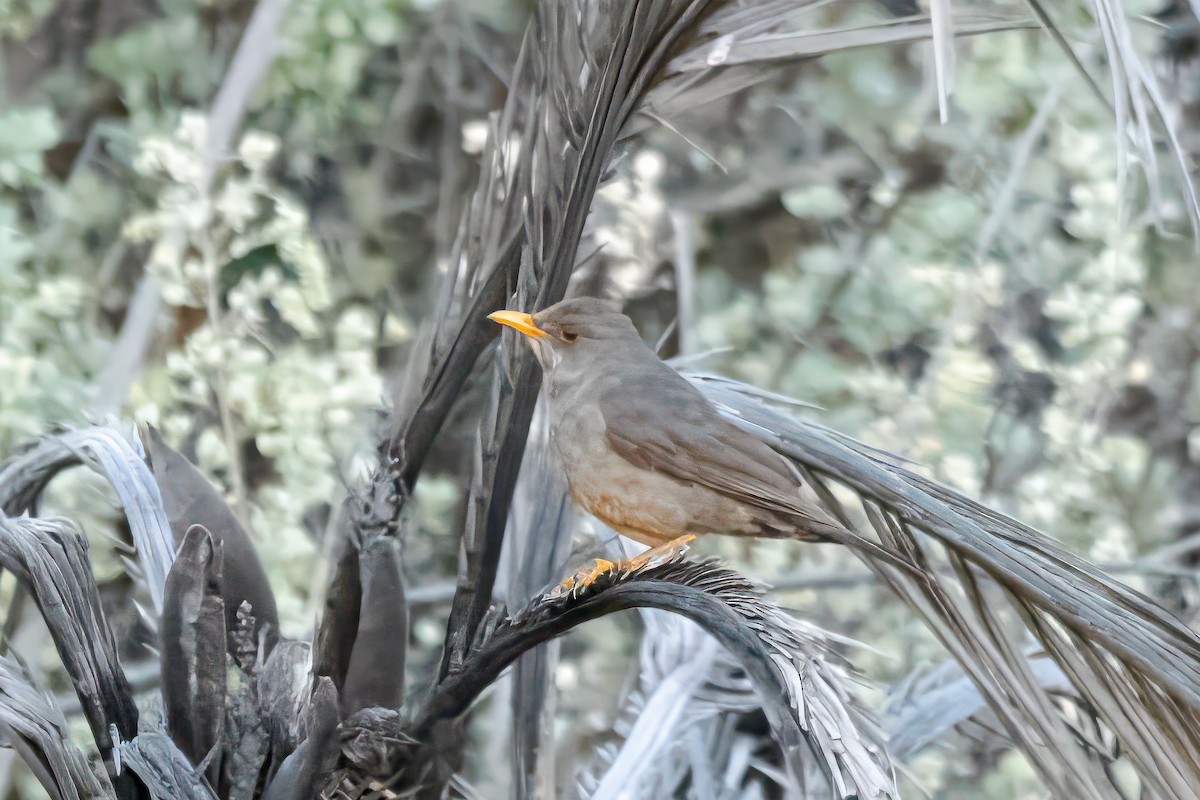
(646, 506)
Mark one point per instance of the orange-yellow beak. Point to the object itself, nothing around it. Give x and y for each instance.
(519, 321)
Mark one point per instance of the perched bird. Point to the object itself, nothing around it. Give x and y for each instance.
(644, 451)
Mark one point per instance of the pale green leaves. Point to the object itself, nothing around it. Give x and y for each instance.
(819, 202)
(24, 134)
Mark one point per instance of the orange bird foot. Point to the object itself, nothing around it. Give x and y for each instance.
(587, 575)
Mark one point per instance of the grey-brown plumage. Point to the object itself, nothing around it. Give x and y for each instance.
(643, 450)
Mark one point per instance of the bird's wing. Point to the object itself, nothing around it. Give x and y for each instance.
(660, 422)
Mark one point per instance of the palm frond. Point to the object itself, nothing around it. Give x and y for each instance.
(1136, 664)
(120, 459)
(682, 725)
(740, 45)
(162, 768)
(37, 729)
(925, 705)
(50, 559)
(736, 41)
(1137, 104)
(807, 699)
(675, 663)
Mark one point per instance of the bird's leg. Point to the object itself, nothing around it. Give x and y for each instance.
(585, 576)
(654, 555)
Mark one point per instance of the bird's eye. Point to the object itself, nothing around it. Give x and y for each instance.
(569, 336)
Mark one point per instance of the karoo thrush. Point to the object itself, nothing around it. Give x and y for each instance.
(644, 451)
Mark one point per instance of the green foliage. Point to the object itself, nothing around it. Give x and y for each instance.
(24, 135)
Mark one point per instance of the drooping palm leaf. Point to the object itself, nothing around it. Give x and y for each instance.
(50, 558)
(1136, 664)
(166, 772)
(37, 729)
(805, 695)
(119, 459)
(925, 705)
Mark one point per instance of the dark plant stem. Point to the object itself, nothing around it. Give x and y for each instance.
(416, 428)
(455, 694)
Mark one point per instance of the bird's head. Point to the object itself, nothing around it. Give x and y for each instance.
(571, 329)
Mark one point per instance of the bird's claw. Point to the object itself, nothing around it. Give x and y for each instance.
(655, 555)
(586, 576)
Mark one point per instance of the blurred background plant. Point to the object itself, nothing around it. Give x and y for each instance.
(1006, 297)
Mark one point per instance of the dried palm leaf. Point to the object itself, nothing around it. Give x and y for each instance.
(1136, 664)
(1137, 99)
(37, 729)
(50, 559)
(805, 696)
(682, 723)
(676, 661)
(541, 523)
(118, 458)
(166, 772)
(925, 705)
